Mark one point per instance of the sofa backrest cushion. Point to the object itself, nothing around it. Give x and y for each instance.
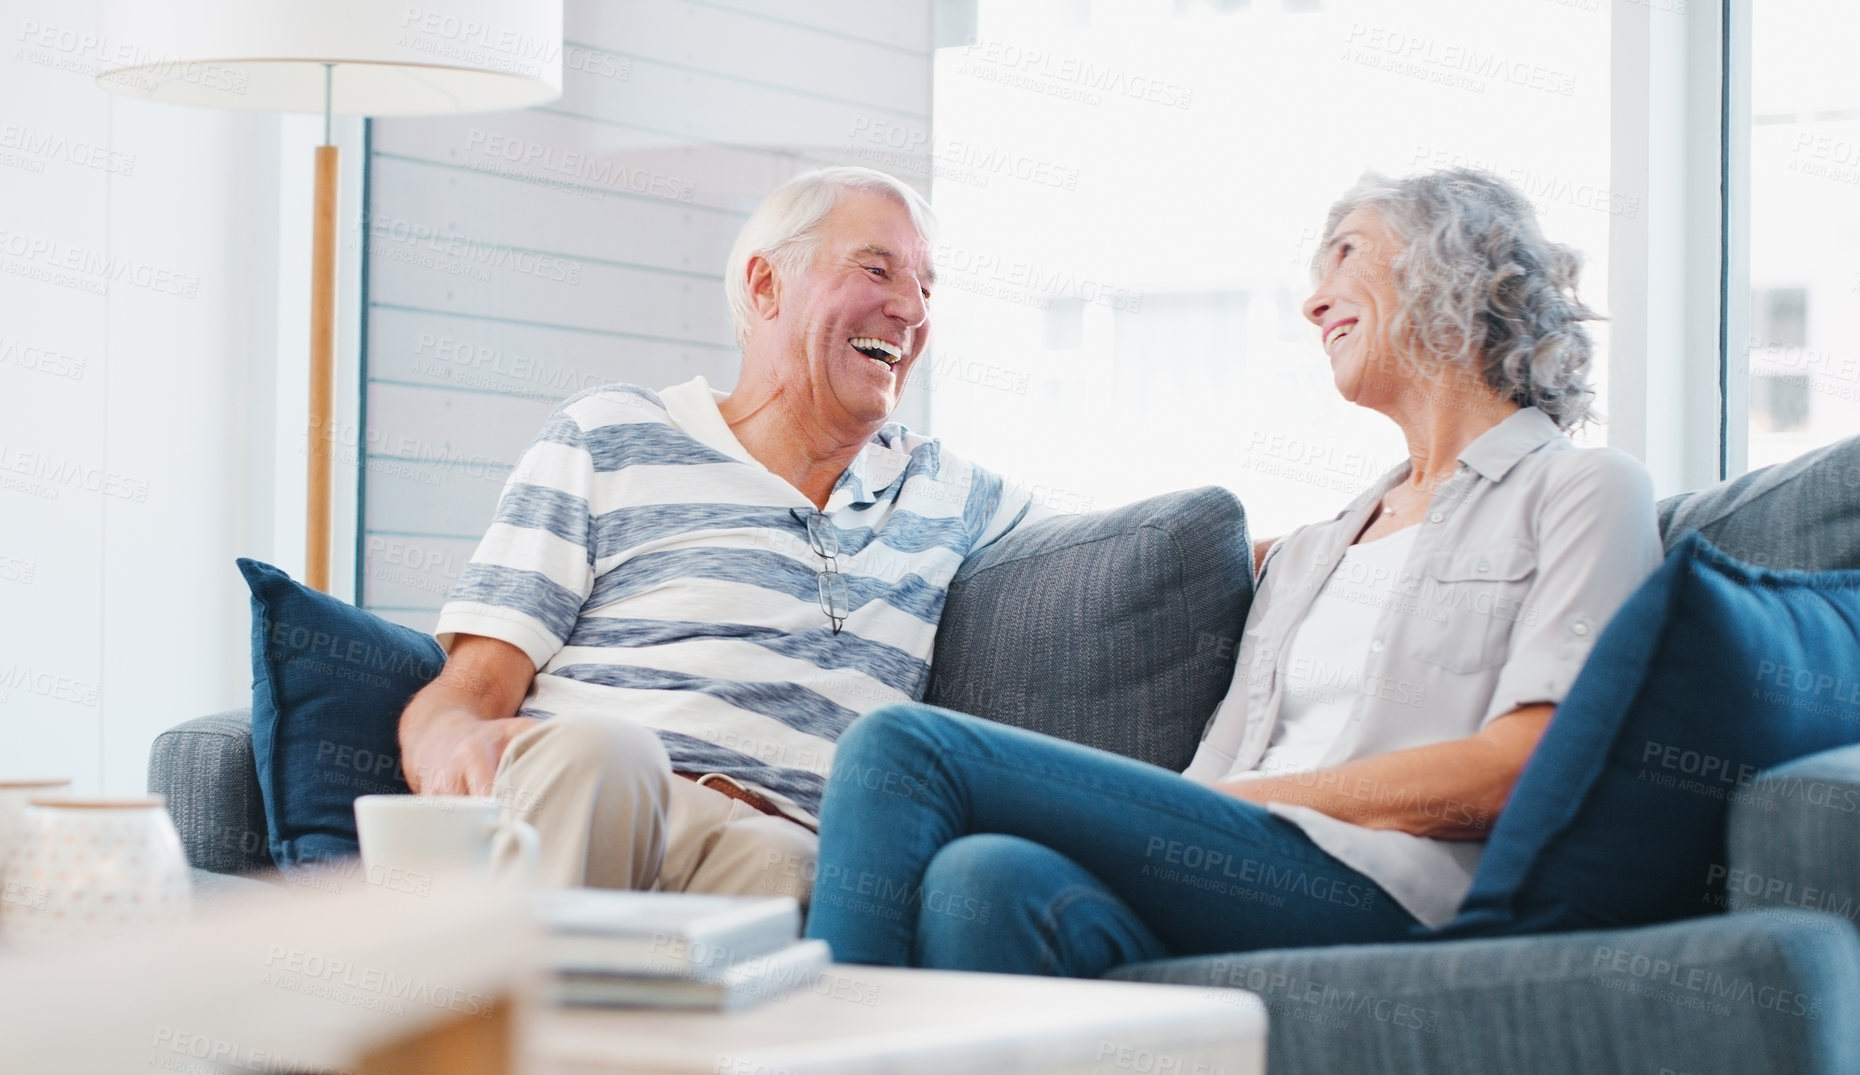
(1711, 672)
(1116, 629)
(1803, 515)
(328, 684)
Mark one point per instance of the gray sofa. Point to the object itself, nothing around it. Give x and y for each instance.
(1118, 629)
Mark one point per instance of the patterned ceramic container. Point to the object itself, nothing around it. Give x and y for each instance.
(94, 866)
(14, 795)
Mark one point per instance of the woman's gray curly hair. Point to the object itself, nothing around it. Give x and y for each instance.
(1477, 283)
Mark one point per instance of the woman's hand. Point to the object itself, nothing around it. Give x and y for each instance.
(1450, 791)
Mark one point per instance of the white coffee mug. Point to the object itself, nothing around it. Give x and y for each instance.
(94, 866)
(408, 840)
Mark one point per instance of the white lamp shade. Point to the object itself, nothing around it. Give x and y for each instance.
(393, 57)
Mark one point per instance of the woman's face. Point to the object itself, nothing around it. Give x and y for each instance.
(1354, 305)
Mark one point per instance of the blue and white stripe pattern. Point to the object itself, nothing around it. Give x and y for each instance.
(653, 570)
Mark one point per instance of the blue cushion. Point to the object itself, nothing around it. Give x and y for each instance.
(1712, 671)
(328, 684)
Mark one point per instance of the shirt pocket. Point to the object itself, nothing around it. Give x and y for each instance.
(1467, 603)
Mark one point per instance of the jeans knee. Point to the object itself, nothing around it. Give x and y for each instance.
(970, 910)
(887, 752)
(971, 875)
(887, 729)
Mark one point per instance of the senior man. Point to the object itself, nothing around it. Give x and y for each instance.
(685, 596)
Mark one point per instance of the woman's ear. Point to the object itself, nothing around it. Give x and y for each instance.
(764, 288)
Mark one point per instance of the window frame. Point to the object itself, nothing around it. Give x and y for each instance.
(1679, 272)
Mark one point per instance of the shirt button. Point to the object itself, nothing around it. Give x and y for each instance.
(1436, 517)
(1485, 565)
(1376, 646)
(1580, 628)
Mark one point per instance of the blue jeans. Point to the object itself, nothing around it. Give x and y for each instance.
(952, 842)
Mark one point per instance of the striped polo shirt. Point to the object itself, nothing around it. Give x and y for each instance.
(655, 571)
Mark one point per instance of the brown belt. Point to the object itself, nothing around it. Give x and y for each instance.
(724, 785)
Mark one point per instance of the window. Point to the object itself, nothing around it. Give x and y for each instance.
(1804, 183)
(1131, 192)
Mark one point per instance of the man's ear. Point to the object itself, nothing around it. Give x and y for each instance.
(764, 287)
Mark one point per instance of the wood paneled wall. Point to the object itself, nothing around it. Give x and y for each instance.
(515, 258)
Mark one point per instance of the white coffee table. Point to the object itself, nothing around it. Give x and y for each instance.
(359, 979)
(906, 1022)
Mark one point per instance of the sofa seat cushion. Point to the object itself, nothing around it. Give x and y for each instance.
(1711, 672)
(328, 684)
(1741, 993)
(1116, 629)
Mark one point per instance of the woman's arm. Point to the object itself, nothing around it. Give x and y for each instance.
(1450, 791)
(1596, 539)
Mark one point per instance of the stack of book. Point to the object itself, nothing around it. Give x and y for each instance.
(610, 948)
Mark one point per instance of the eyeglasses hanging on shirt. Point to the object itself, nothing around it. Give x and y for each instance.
(835, 595)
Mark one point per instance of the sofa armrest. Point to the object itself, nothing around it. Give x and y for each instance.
(1794, 837)
(204, 769)
(1721, 993)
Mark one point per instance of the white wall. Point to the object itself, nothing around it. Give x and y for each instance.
(139, 380)
(518, 257)
(148, 438)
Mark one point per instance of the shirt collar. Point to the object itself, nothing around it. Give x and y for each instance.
(692, 407)
(1491, 455)
(873, 470)
(1498, 449)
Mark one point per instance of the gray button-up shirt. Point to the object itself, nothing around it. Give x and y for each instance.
(1522, 557)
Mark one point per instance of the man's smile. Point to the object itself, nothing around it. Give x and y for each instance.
(884, 352)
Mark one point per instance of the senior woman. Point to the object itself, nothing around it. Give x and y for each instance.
(1398, 665)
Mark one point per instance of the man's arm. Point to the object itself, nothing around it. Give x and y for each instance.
(454, 731)
(1450, 791)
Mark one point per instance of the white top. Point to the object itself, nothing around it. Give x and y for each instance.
(654, 570)
(1325, 669)
(1520, 560)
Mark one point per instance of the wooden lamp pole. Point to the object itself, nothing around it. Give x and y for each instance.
(322, 354)
(267, 55)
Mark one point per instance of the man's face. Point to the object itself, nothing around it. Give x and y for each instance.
(859, 315)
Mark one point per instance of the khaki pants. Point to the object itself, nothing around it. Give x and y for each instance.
(601, 794)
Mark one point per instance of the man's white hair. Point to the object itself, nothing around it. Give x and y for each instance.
(785, 228)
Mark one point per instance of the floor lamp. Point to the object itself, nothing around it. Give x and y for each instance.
(347, 57)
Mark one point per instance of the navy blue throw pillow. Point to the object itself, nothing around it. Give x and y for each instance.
(1711, 672)
(328, 684)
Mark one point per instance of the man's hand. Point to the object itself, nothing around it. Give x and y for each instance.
(454, 732)
(460, 757)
